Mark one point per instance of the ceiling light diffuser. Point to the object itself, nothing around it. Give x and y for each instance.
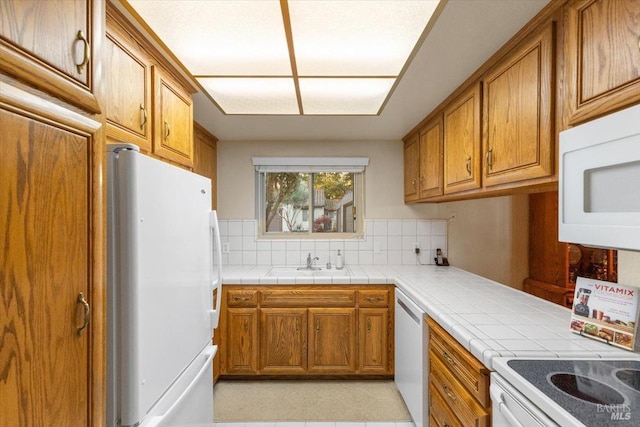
(330, 57)
(252, 95)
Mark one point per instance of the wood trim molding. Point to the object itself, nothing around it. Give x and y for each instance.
(11, 96)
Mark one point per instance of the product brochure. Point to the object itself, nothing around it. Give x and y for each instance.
(606, 311)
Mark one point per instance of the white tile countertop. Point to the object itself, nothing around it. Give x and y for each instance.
(489, 319)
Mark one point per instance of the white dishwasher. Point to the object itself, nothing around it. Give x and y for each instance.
(411, 357)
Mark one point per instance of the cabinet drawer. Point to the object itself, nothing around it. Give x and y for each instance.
(242, 298)
(454, 394)
(467, 369)
(307, 298)
(373, 298)
(439, 412)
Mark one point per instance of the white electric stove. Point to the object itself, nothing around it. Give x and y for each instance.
(566, 392)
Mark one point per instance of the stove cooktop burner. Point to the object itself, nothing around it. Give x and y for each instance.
(586, 389)
(596, 392)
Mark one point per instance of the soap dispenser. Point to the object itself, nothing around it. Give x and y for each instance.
(339, 261)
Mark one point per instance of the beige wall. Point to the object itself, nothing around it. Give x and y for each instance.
(629, 268)
(383, 177)
(490, 237)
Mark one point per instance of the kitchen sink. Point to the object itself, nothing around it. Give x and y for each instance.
(294, 272)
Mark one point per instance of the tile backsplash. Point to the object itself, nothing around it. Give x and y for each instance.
(385, 242)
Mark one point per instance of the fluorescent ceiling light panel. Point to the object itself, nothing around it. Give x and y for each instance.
(253, 95)
(352, 96)
(345, 57)
(222, 38)
(356, 38)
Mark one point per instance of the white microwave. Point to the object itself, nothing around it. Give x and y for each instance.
(599, 182)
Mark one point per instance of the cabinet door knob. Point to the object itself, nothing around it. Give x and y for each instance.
(86, 53)
(414, 183)
(87, 310)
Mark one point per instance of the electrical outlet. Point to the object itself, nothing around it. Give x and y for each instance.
(225, 247)
(416, 248)
(452, 216)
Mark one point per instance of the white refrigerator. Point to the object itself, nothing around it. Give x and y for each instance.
(164, 268)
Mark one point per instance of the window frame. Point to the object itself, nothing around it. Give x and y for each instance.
(356, 166)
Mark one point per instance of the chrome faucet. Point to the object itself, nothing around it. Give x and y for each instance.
(310, 262)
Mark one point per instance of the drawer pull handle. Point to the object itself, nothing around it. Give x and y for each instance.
(374, 299)
(448, 358)
(449, 393)
(167, 131)
(468, 165)
(237, 298)
(86, 53)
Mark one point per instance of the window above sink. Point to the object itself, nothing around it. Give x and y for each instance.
(310, 197)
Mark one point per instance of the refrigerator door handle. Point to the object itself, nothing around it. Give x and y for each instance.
(216, 260)
(156, 421)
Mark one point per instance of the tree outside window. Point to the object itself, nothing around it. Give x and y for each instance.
(290, 205)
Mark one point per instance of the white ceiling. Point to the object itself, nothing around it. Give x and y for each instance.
(465, 35)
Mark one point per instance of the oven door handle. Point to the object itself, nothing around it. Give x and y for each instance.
(497, 398)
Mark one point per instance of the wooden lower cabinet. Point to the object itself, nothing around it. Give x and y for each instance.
(373, 330)
(306, 330)
(458, 383)
(283, 340)
(242, 340)
(332, 340)
(440, 413)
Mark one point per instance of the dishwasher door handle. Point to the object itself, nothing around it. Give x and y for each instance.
(408, 311)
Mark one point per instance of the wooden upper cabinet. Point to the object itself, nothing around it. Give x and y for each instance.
(205, 158)
(517, 138)
(602, 57)
(148, 101)
(51, 45)
(128, 90)
(431, 166)
(172, 119)
(411, 168)
(462, 142)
